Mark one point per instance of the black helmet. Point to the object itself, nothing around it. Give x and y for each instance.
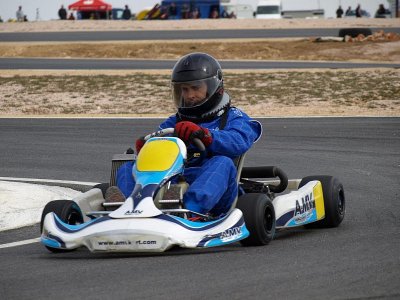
(199, 71)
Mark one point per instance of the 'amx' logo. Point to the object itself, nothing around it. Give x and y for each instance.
(133, 212)
(231, 232)
(307, 203)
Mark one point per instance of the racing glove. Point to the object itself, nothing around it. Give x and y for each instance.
(187, 131)
(139, 144)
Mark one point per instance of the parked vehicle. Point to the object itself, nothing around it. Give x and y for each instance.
(269, 9)
(352, 14)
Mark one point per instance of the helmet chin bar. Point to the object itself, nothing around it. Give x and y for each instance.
(198, 114)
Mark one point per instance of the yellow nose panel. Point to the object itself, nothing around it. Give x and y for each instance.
(319, 201)
(157, 155)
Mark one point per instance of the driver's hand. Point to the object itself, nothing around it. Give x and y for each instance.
(139, 144)
(187, 131)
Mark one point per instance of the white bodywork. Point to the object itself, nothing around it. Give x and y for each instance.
(299, 207)
(135, 234)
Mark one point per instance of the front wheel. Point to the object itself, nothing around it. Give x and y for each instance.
(334, 201)
(259, 217)
(68, 211)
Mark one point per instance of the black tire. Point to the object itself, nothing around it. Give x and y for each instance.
(68, 211)
(334, 201)
(259, 216)
(354, 32)
(103, 187)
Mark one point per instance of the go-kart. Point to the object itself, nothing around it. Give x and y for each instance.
(154, 218)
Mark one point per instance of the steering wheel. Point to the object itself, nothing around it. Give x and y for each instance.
(195, 142)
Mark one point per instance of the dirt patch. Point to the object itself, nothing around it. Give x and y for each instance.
(304, 49)
(272, 93)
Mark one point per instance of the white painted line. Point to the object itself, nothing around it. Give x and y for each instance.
(20, 243)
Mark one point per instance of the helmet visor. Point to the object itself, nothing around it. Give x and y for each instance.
(194, 93)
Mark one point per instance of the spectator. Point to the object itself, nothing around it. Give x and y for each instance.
(71, 17)
(1, 20)
(225, 14)
(126, 15)
(172, 11)
(62, 13)
(358, 11)
(185, 11)
(348, 11)
(381, 12)
(214, 14)
(20, 14)
(163, 13)
(195, 13)
(339, 12)
(25, 18)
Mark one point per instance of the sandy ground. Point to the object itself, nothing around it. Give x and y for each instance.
(194, 24)
(38, 93)
(271, 93)
(297, 49)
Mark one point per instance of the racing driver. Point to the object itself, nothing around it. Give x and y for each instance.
(204, 111)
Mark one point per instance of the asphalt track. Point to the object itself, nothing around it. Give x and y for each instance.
(172, 34)
(142, 64)
(358, 260)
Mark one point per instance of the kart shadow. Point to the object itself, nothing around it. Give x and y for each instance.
(293, 232)
(83, 253)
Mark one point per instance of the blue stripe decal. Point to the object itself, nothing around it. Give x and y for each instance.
(238, 230)
(285, 218)
(220, 242)
(53, 241)
(139, 193)
(75, 228)
(304, 218)
(50, 243)
(190, 225)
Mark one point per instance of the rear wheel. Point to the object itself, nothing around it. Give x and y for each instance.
(259, 216)
(68, 211)
(334, 201)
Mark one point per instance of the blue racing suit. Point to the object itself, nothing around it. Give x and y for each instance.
(212, 181)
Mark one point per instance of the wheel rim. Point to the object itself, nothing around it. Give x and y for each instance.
(268, 219)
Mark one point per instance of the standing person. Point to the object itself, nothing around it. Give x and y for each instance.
(62, 13)
(348, 11)
(203, 111)
(382, 12)
(339, 12)
(20, 14)
(126, 15)
(214, 14)
(195, 13)
(172, 11)
(358, 11)
(185, 11)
